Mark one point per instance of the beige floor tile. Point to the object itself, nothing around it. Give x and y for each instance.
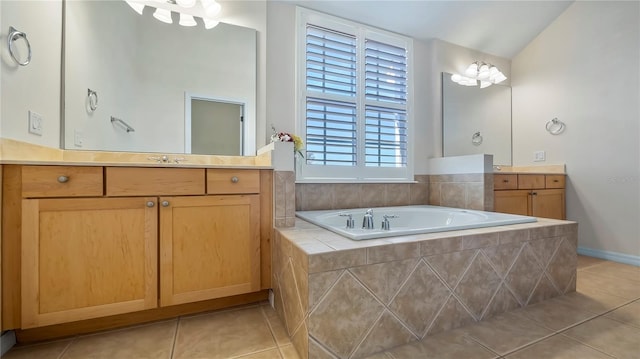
(277, 326)
(555, 315)
(558, 347)
(380, 356)
(608, 336)
(585, 261)
(506, 332)
(289, 352)
(266, 354)
(38, 351)
(616, 270)
(153, 341)
(448, 345)
(223, 335)
(621, 287)
(593, 301)
(629, 314)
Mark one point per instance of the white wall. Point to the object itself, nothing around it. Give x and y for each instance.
(584, 69)
(36, 86)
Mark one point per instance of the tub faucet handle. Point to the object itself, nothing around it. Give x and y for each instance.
(386, 226)
(350, 222)
(367, 221)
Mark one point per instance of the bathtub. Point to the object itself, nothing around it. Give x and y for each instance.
(410, 220)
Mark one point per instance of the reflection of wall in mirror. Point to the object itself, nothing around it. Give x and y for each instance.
(142, 73)
(467, 110)
(216, 128)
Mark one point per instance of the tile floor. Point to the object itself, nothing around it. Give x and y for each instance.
(600, 320)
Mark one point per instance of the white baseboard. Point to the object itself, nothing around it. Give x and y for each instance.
(7, 341)
(611, 256)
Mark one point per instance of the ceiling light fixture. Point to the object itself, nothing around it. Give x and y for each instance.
(481, 71)
(207, 10)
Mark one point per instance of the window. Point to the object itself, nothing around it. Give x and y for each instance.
(354, 101)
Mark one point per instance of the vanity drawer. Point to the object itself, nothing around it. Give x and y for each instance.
(504, 181)
(230, 181)
(530, 181)
(61, 181)
(554, 181)
(133, 181)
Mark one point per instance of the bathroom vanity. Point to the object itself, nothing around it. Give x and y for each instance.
(530, 194)
(103, 244)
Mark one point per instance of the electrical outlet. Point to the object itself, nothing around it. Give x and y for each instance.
(78, 139)
(35, 123)
(538, 156)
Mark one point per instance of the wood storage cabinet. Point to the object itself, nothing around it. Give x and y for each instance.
(536, 195)
(101, 241)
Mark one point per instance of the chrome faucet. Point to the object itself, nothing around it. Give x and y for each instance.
(350, 221)
(386, 226)
(367, 221)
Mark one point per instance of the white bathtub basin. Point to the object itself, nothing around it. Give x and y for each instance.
(411, 220)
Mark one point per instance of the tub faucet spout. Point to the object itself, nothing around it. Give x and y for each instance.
(367, 221)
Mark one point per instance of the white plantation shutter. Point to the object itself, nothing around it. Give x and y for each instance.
(354, 101)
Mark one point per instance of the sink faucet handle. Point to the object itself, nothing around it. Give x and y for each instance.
(386, 225)
(367, 220)
(350, 222)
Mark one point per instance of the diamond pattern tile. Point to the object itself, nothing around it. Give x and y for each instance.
(562, 265)
(386, 333)
(319, 284)
(501, 302)
(478, 285)
(502, 257)
(524, 275)
(544, 249)
(293, 311)
(544, 290)
(384, 279)
(344, 316)
(419, 299)
(453, 315)
(451, 266)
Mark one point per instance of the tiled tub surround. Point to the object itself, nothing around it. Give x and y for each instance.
(348, 299)
(470, 191)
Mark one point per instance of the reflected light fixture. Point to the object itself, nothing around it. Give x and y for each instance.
(207, 10)
(481, 71)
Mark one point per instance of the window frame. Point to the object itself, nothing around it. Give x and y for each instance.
(360, 172)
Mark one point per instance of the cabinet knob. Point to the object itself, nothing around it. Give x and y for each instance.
(63, 179)
(556, 181)
(534, 193)
(150, 204)
(165, 203)
(505, 181)
(235, 179)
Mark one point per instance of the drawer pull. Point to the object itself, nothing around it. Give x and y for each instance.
(63, 179)
(150, 204)
(165, 203)
(555, 181)
(534, 193)
(505, 181)
(235, 179)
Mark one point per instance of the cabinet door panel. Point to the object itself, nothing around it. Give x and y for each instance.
(548, 203)
(87, 258)
(514, 202)
(210, 247)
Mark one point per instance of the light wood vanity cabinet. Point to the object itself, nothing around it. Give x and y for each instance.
(96, 242)
(535, 195)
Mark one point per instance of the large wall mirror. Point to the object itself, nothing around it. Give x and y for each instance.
(476, 120)
(164, 81)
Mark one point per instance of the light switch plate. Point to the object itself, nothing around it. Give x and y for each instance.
(35, 123)
(539, 156)
(78, 138)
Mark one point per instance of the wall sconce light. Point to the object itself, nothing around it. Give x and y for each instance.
(481, 71)
(188, 9)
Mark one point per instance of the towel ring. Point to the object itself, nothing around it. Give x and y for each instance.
(555, 126)
(92, 97)
(476, 139)
(13, 36)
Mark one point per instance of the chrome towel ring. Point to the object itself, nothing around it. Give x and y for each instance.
(13, 36)
(476, 139)
(555, 126)
(92, 98)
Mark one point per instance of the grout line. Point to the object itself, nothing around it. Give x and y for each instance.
(273, 335)
(175, 338)
(64, 351)
(586, 344)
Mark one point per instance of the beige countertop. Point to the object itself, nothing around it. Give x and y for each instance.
(546, 169)
(17, 152)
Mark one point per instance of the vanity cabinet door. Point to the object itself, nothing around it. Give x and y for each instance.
(548, 203)
(209, 247)
(514, 202)
(86, 258)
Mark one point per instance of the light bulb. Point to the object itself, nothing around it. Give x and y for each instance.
(212, 8)
(136, 6)
(163, 15)
(456, 78)
(187, 20)
(186, 3)
(499, 78)
(484, 84)
(472, 70)
(210, 23)
(471, 82)
(483, 72)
